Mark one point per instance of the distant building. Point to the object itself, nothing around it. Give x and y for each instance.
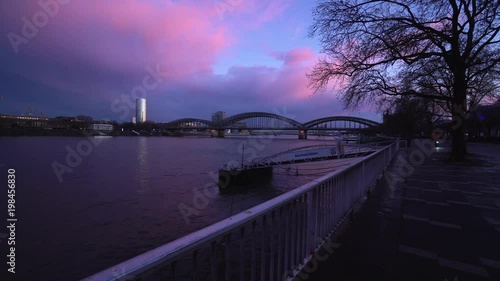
(140, 110)
(219, 116)
(67, 118)
(62, 123)
(100, 127)
(485, 121)
(13, 121)
(134, 120)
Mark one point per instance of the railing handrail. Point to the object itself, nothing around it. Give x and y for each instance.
(180, 246)
(305, 148)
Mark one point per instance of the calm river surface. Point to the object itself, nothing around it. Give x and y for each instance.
(123, 198)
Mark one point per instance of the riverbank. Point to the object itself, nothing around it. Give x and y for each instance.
(40, 132)
(21, 132)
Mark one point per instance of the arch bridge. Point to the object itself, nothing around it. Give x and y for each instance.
(263, 121)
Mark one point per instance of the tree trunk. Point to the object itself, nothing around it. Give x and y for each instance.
(459, 114)
(458, 144)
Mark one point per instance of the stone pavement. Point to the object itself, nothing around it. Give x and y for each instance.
(440, 223)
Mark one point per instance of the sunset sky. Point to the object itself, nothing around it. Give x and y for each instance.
(93, 57)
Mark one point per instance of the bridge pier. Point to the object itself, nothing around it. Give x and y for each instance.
(218, 133)
(303, 135)
(171, 132)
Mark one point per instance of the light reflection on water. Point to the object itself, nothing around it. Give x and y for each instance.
(143, 166)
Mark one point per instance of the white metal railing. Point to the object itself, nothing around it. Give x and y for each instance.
(265, 242)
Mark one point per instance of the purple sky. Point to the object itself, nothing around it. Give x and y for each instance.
(91, 57)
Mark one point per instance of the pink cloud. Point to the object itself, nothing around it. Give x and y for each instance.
(272, 11)
(254, 13)
(295, 56)
(286, 83)
(183, 37)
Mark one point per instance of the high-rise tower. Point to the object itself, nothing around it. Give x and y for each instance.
(140, 110)
(219, 116)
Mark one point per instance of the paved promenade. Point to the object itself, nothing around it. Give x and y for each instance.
(441, 223)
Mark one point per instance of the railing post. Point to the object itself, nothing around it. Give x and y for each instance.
(287, 248)
(172, 269)
(195, 265)
(390, 155)
(228, 257)
(363, 173)
(293, 246)
(280, 269)
(271, 242)
(213, 261)
(311, 219)
(242, 256)
(305, 242)
(263, 248)
(253, 273)
(385, 155)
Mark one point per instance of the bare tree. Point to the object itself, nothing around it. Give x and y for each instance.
(373, 46)
(433, 80)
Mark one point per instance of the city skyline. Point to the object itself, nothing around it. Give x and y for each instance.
(187, 58)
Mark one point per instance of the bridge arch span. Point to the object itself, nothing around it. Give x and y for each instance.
(366, 122)
(248, 115)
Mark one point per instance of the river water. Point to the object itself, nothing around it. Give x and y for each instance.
(84, 205)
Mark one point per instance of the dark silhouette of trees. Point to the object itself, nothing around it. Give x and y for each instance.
(84, 118)
(433, 80)
(146, 126)
(446, 51)
(484, 119)
(409, 117)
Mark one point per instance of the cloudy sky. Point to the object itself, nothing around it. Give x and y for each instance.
(188, 58)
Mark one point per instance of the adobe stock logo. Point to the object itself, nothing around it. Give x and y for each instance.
(224, 6)
(48, 9)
